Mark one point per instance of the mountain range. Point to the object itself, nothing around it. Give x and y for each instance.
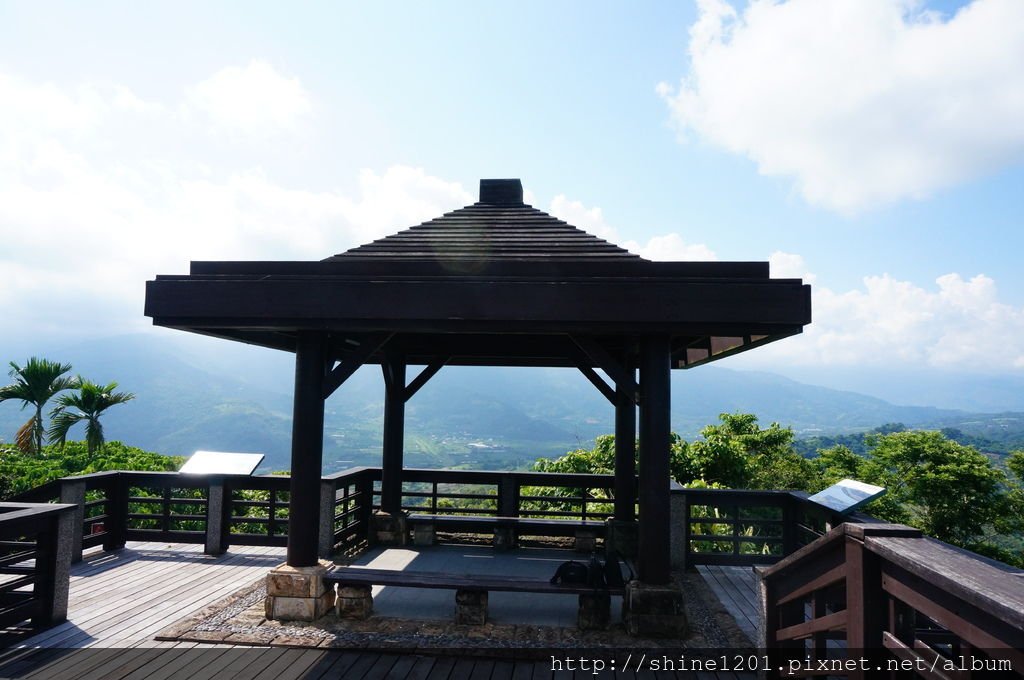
(197, 393)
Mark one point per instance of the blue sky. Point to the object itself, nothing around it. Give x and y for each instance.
(873, 146)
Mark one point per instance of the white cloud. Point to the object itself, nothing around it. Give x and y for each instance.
(861, 102)
(666, 247)
(254, 100)
(671, 247)
(590, 220)
(789, 266)
(960, 323)
(87, 216)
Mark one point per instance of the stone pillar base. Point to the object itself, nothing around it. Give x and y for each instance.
(622, 537)
(423, 533)
(654, 611)
(355, 602)
(505, 536)
(389, 528)
(471, 607)
(298, 593)
(585, 540)
(595, 611)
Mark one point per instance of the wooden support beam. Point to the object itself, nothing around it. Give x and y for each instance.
(350, 363)
(600, 356)
(307, 449)
(603, 387)
(654, 563)
(428, 372)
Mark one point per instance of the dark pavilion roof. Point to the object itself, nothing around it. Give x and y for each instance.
(497, 230)
(496, 282)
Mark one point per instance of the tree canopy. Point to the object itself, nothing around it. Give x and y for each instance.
(949, 490)
(35, 383)
(85, 405)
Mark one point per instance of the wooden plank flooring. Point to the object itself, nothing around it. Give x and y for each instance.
(736, 589)
(119, 601)
(122, 599)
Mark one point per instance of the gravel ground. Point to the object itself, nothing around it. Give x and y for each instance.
(240, 619)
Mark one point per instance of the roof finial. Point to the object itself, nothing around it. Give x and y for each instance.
(501, 191)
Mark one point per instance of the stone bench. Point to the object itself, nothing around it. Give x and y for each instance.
(354, 599)
(506, 529)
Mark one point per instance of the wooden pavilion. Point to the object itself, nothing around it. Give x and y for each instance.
(497, 283)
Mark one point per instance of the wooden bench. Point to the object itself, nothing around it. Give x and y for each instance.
(506, 529)
(354, 599)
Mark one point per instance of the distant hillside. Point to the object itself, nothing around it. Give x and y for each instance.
(1008, 436)
(196, 393)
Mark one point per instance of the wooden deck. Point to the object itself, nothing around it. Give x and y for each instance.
(736, 589)
(119, 601)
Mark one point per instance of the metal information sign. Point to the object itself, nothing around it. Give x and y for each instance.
(847, 495)
(221, 463)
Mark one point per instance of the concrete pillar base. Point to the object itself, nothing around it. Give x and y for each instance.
(585, 540)
(505, 536)
(423, 533)
(355, 602)
(595, 611)
(654, 611)
(622, 536)
(471, 607)
(390, 528)
(298, 593)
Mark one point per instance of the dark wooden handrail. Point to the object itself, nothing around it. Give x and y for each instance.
(896, 593)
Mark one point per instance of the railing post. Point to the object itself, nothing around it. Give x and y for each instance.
(53, 568)
(117, 512)
(789, 537)
(328, 495)
(865, 612)
(218, 516)
(364, 487)
(680, 528)
(72, 492)
(508, 496)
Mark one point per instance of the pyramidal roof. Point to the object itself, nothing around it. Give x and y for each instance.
(498, 227)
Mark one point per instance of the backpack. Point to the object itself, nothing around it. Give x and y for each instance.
(571, 573)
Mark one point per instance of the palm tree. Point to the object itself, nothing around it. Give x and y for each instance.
(35, 384)
(90, 401)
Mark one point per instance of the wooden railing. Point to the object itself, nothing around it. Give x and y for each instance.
(34, 563)
(741, 527)
(504, 494)
(115, 507)
(906, 602)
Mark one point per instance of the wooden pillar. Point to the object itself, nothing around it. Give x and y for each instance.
(625, 452)
(394, 433)
(307, 449)
(654, 563)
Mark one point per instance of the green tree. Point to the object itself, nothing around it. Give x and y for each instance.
(738, 453)
(948, 490)
(89, 401)
(34, 385)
